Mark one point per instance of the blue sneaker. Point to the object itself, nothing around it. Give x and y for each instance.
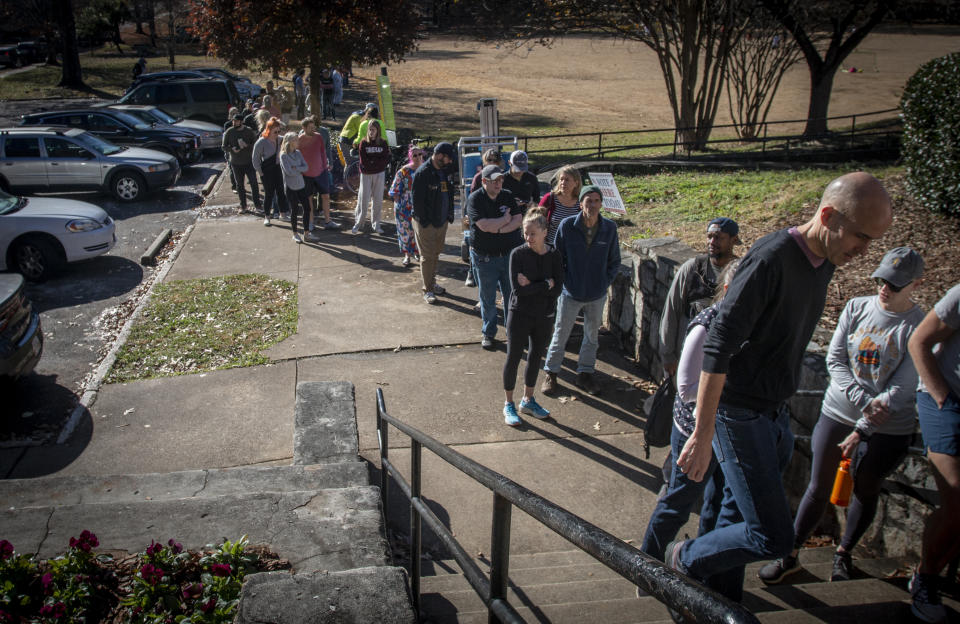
(510, 414)
(530, 406)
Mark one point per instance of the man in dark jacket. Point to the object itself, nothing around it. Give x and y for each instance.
(432, 213)
(495, 220)
(590, 248)
(751, 365)
(238, 143)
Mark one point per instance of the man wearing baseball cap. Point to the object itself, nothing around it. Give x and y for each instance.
(693, 288)
(238, 142)
(432, 213)
(524, 185)
(495, 220)
(590, 248)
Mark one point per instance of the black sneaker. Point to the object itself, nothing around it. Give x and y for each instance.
(776, 571)
(842, 567)
(588, 383)
(927, 605)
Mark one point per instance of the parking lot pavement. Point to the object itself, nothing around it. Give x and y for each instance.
(82, 306)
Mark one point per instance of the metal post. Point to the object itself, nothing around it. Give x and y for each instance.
(763, 150)
(600, 145)
(383, 436)
(674, 144)
(499, 552)
(853, 130)
(415, 452)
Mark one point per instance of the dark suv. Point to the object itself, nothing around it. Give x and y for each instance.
(21, 339)
(203, 99)
(10, 55)
(123, 128)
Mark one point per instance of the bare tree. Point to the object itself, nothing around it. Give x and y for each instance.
(755, 68)
(71, 75)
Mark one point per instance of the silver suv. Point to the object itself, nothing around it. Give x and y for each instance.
(57, 159)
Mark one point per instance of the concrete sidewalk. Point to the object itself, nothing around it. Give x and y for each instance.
(362, 319)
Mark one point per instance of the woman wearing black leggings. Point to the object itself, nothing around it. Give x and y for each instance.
(536, 274)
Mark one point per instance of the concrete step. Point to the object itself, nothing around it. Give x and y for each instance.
(613, 611)
(59, 491)
(332, 529)
(530, 576)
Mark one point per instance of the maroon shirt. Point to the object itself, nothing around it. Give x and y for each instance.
(374, 157)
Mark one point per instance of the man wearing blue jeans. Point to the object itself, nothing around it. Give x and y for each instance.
(751, 366)
(495, 220)
(590, 249)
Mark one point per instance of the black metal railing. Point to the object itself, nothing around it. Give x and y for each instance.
(693, 601)
(592, 145)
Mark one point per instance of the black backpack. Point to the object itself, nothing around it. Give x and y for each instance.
(656, 431)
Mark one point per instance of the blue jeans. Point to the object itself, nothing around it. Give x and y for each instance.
(682, 493)
(567, 310)
(492, 272)
(753, 449)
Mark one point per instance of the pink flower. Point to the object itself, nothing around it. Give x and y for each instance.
(86, 542)
(46, 581)
(56, 610)
(193, 591)
(151, 574)
(220, 569)
(154, 548)
(208, 606)
(6, 550)
(176, 547)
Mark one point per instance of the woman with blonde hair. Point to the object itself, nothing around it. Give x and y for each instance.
(374, 158)
(563, 200)
(262, 116)
(293, 164)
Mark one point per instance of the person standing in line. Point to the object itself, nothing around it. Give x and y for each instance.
(524, 185)
(433, 211)
(681, 494)
(495, 221)
(935, 348)
(562, 202)
(226, 155)
(238, 142)
(270, 105)
(374, 158)
(490, 157)
(293, 165)
(371, 116)
(337, 92)
(300, 93)
(536, 276)
(266, 163)
(590, 248)
(869, 409)
(402, 193)
(350, 133)
(326, 93)
(317, 177)
(751, 365)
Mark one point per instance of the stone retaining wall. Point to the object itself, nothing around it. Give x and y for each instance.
(636, 299)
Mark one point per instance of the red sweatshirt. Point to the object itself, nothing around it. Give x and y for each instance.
(374, 157)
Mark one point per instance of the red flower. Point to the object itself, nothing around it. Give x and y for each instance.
(176, 547)
(154, 548)
(46, 581)
(208, 606)
(86, 542)
(56, 610)
(220, 569)
(6, 550)
(151, 574)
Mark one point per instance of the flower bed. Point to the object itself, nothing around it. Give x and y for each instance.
(164, 584)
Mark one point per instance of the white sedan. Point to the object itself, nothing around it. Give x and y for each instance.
(39, 234)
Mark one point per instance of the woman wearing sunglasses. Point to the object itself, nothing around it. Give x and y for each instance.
(402, 193)
(869, 409)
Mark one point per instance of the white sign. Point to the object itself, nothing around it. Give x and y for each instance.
(612, 202)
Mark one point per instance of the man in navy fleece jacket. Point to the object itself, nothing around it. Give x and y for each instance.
(751, 366)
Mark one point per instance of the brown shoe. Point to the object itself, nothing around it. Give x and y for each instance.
(549, 385)
(588, 383)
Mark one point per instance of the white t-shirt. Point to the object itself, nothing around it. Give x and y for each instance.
(948, 352)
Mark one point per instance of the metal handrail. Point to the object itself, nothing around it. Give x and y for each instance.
(691, 600)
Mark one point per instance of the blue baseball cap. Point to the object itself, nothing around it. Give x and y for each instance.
(724, 224)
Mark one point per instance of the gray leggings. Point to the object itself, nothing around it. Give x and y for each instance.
(873, 461)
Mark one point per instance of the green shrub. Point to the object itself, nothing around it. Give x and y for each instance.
(931, 134)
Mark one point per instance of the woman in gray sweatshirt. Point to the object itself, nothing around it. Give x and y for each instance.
(294, 165)
(869, 409)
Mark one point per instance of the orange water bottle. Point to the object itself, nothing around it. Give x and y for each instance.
(842, 485)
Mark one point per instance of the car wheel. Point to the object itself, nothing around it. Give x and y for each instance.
(128, 186)
(35, 258)
(17, 61)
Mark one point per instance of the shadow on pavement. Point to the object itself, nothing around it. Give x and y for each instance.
(96, 279)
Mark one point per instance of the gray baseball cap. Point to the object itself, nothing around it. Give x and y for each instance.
(900, 266)
(491, 172)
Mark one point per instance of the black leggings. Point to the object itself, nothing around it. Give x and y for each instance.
(532, 333)
(299, 203)
(873, 461)
(273, 198)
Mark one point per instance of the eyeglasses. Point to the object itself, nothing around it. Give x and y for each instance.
(880, 283)
(419, 154)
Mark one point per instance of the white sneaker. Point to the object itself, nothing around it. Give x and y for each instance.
(378, 230)
(355, 229)
(310, 229)
(297, 239)
(311, 238)
(266, 220)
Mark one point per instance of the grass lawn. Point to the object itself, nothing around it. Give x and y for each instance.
(681, 203)
(207, 324)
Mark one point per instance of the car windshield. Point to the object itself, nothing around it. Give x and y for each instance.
(133, 120)
(162, 116)
(9, 203)
(97, 144)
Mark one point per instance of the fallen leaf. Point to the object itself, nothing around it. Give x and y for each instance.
(130, 411)
(596, 425)
(397, 350)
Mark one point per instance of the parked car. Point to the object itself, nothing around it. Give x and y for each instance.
(210, 134)
(57, 159)
(203, 99)
(124, 129)
(173, 74)
(10, 56)
(32, 51)
(246, 87)
(21, 337)
(39, 234)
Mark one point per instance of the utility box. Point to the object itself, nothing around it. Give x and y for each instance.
(489, 117)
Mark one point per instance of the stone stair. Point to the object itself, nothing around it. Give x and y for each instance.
(320, 513)
(570, 586)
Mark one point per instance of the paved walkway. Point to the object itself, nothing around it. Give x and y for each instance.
(362, 320)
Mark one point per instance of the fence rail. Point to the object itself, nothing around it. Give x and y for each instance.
(602, 144)
(693, 602)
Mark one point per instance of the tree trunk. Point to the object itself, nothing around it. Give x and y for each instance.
(315, 70)
(821, 84)
(171, 35)
(152, 23)
(117, 39)
(71, 75)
